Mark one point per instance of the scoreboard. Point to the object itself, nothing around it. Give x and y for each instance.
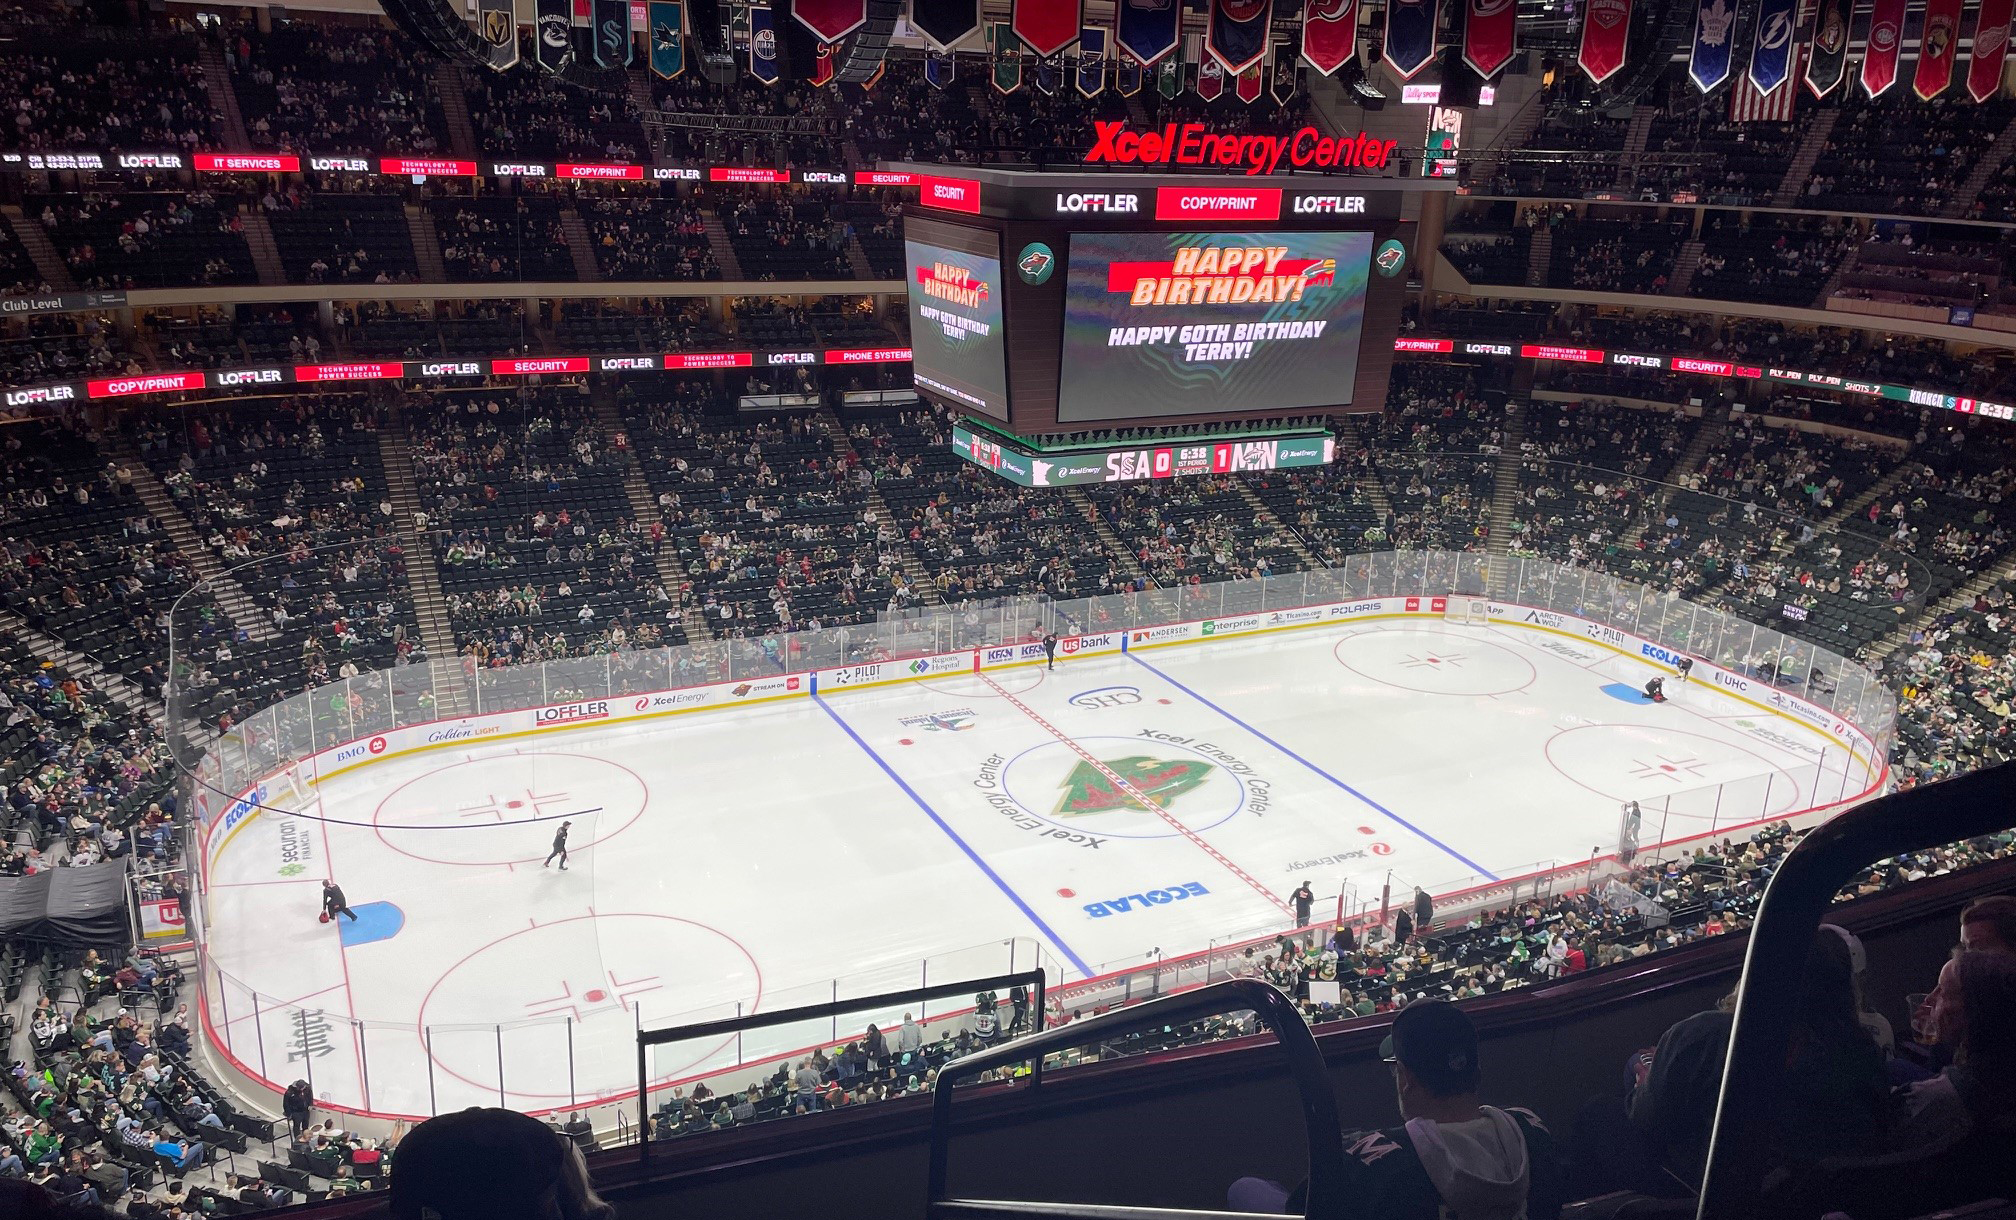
(1030, 466)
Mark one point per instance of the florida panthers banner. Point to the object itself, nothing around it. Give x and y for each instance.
(1092, 61)
(941, 70)
(1606, 31)
(1771, 51)
(668, 37)
(1237, 33)
(497, 26)
(1827, 51)
(553, 41)
(762, 46)
(1285, 72)
(1048, 26)
(1886, 43)
(1487, 34)
(1937, 47)
(1991, 45)
(1329, 33)
(1007, 52)
(945, 23)
(1147, 29)
(1708, 63)
(611, 33)
(1410, 35)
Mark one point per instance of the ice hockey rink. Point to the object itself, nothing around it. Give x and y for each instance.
(744, 859)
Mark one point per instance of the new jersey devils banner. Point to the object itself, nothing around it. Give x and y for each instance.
(553, 35)
(1092, 60)
(1991, 45)
(1606, 30)
(1771, 52)
(611, 35)
(497, 25)
(1237, 33)
(1147, 29)
(1886, 42)
(1937, 46)
(1410, 35)
(668, 37)
(945, 23)
(1329, 33)
(1708, 63)
(1047, 26)
(762, 46)
(1827, 51)
(1210, 79)
(1487, 34)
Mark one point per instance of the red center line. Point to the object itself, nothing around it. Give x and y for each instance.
(1146, 801)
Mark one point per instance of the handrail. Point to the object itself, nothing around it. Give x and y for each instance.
(1753, 1078)
(1327, 1183)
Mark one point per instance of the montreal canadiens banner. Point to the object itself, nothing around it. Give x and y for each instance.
(668, 37)
(611, 33)
(1937, 47)
(1991, 45)
(1886, 43)
(945, 23)
(1827, 51)
(1488, 34)
(1237, 33)
(1147, 29)
(1329, 33)
(1092, 61)
(1606, 31)
(1410, 35)
(553, 39)
(1708, 62)
(1771, 51)
(1047, 26)
(497, 26)
(762, 46)
(830, 20)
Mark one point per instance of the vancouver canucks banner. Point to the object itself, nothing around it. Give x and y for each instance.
(1048, 73)
(1606, 33)
(1991, 45)
(1006, 50)
(762, 45)
(1771, 50)
(1126, 77)
(1827, 52)
(1708, 63)
(1236, 34)
(1938, 44)
(1210, 79)
(1169, 78)
(554, 45)
(945, 23)
(497, 26)
(668, 37)
(1329, 33)
(1092, 61)
(1251, 83)
(1410, 35)
(1147, 30)
(940, 69)
(611, 33)
(1286, 70)
(1886, 43)
(1488, 34)
(1047, 26)
(829, 20)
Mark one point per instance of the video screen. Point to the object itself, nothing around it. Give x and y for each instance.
(957, 346)
(1203, 323)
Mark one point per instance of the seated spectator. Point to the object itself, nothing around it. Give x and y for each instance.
(1974, 1015)
(1988, 925)
(492, 1164)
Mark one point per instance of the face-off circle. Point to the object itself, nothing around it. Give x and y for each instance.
(506, 809)
(1056, 784)
(1434, 662)
(1690, 781)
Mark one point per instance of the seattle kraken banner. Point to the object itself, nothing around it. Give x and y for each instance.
(497, 26)
(940, 70)
(1827, 52)
(668, 37)
(1991, 46)
(1329, 33)
(830, 20)
(611, 33)
(762, 45)
(1126, 77)
(1007, 52)
(945, 23)
(1147, 29)
(554, 43)
(1938, 45)
(1488, 34)
(1285, 72)
(1708, 64)
(1047, 26)
(1092, 60)
(1886, 43)
(1236, 35)
(1606, 35)
(1771, 51)
(1410, 35)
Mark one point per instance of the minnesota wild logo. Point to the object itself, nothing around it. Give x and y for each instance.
(1090, 789)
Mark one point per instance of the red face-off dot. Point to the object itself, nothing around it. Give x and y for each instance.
(1067, 893)
(905, 741)
(596, 996)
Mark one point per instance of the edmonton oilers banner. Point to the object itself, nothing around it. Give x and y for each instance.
(1991, 45)
(830, 20)
(1708, 63)
(1827, 51)
(1771, 51)
(1886, 43)
(1092, 61)
(1488, 34)
(762, 46)
(1147, 29)
(945, 23)
(553, 41)
(1937, 46)
(1410, 35)
(668, 37)
(1606, 33)
(1047, 26)
(1236, 35)
(611, 33)
(1329, 33)
(940, 70)
(497, 26)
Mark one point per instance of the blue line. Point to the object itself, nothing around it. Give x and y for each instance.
(1419, 833)
(953, 835)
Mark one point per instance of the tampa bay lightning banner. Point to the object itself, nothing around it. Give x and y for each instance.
(940, 70)
(1771, 53)
(497, 25)
(1092, 61)
(763, 45)
(1708, 65)
(553, 44)
(668, 37)
(1236, 34)
(1147, 29)
(611, 33)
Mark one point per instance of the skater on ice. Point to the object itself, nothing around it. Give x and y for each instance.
(334, 904)
(559, 847)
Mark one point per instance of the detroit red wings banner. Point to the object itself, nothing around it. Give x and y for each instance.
(1237, 33)
(1886, 41)
(1330, 33)
(1938, 44)
(1991, 45)
(1047, 26)
(1487, 34)
(830, 20)
(1606, 29)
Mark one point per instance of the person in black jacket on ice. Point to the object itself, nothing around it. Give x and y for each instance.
(334, 904)
(559, 847)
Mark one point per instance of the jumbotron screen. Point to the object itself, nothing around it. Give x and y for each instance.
(1159, 324)
(956, 340)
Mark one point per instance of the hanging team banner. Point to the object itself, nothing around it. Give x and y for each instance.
(1048, 73)
(1827, 49)
(945, 23)
(1991, 45)
(822, 64)
(868, 86)
(1886, 43)
(1708, 63)
(830, 20)
(1285, 73)
(1236, 33)
(1488, 34)
(1210, 79)
(1147, 29)
(497, 26)
(1092, 61)
(1771, 51)
(611, 33)
(1937, 46)
(762, 45)
(1006, 50)
(940, 69)
(1606, 33)
(553, 43)
(1410, 35)
(668, 37)
(1047, 26)
(1329, 33)
(1251, 83)
(1126, 77)
(1169, 78)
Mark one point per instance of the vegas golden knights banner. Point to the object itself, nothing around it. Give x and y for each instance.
(1827, 52)
(1886, 43)
(1236, 32)
(1329, 33)
(1991, 45)
(668, 37)
(497, 26)
(1410, 35)
(610, 33)
(1007, 52)
(1606, 35)
(1092, 61)
(1938, 44)
(945, 23)
(1047, 26)
(1488, 34)
(553, 39)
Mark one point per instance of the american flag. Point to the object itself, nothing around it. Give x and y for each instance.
(1746, 105)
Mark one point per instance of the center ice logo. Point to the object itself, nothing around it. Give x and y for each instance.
(1091, 788)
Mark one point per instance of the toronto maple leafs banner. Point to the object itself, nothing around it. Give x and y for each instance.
(1210, 79)
(1488, 34)
(1126, 77)
(941, 69)
(1286, 73)
(1329, 33)
(945, 23)
(1147, 29)
(1606, 33)
(1047, 26)
(1410, 35)
(1236, 34)
(1006, 50)
(1827, 50)
(1991, 45)
(1938, 44)
(1092, 61)
(610, 33)
(553, 44)
(668, 37)
(1886, 43)
(1771, 50)
(497, 26)
(1708, 63)
(762, 45)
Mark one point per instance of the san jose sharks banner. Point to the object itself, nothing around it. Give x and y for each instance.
(611, 33)
(1606, 36)
(1092, 61)
(1771, 50)
(1236, 32)
(1991, 46)
(1708, 62)
(830, 20)
(940, 70)
(553, 42)
(1286, 72)
(1006, 50)
(1147, 29)
(1886, 43)
(762, 45)
(1210, 79)
(1938, 45)
(497, 26)
(1827, 50)
(668, 37)
(1329, 33)
(945, 23)
(1126, 77)
(1047, 26)
(1488, 33)
(1410, 36)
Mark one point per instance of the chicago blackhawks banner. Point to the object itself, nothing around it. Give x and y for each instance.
(611, 33)
(830, 20)
(497, 26)
(1708, 63)
(1410, 35)
(553, 44)
(1126, 77)
(940, 70)
(762, 45)
(945, 23)
(1147, 29)
(1285, 73)
(1827, 51)
(1007, 52)
(1251, 83)
(1487, 34)
(1991, 45)
(1606, 31)
(1210, 79)
(1236, 34)
(668, 37)
(1329, 33)
(1092, 61)
(1886, 43)
(1937, 46)
(1047, 26)
(1771, 51)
